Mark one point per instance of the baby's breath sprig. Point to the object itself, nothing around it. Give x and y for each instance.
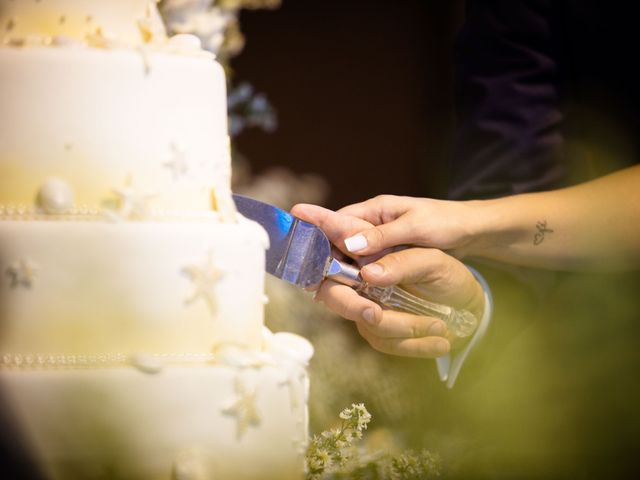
(334, 449)
(334, 455)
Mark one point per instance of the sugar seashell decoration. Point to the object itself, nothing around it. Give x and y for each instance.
(288, 345)
(185, 42)
(55, 196)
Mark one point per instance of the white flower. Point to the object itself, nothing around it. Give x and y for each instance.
(316, 463)
(198, 18)
(346, 414)
(324, 456)
(364, 417)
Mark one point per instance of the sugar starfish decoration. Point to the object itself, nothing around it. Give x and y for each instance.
(204, 278)
(132, 204)
(177, 164)
(22, 273)
(244, 409)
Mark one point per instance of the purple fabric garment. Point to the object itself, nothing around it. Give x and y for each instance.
(538, 84)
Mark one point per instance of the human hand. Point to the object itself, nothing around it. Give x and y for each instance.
(427, 273)
(395, 220)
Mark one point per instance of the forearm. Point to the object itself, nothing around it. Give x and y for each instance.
(592, 226)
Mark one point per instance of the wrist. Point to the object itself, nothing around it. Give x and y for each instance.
(483, 227)
(499, 226)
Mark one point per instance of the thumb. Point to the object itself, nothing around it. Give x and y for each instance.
(376, 239)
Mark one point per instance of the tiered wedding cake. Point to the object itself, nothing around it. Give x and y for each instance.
(132, 342)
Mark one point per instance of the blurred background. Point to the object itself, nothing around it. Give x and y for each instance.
(362, 91)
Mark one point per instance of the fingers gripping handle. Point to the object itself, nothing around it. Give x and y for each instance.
(461, 323)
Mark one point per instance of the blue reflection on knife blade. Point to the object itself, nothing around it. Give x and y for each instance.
(283, 221)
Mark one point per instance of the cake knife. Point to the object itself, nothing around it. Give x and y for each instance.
(300, 253)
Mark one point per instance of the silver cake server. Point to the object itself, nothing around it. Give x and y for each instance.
(300, 253)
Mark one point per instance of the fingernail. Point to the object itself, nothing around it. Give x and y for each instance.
(369, 316)
(356, 243)
(437, 329)
(441, 347)
(374, 269)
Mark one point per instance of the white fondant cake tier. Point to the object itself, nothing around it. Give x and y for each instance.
(80, 288)
(130, 22)
(110, 119)
(181, 423)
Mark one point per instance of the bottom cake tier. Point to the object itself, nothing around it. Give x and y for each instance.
(235, 415)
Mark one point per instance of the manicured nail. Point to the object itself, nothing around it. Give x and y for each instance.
(374, 269)
(441, 347)
(356, 243)
(437, 329)
(369, 316)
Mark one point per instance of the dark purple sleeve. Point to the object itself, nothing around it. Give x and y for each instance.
(508, 137)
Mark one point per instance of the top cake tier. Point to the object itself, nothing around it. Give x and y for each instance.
(130, 22)
(112, 119)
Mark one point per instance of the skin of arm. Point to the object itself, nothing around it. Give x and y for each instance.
(594, 226)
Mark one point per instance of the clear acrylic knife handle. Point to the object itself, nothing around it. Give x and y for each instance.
(460, 323)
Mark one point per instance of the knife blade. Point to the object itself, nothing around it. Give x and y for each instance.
(300, 253)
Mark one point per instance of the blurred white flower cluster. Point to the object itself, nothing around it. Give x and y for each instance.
(199, 18)
(249, 109)
(214, 22)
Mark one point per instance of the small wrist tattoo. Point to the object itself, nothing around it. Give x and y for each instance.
(538, 238)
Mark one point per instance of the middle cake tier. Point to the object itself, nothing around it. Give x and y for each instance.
(93, 288)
